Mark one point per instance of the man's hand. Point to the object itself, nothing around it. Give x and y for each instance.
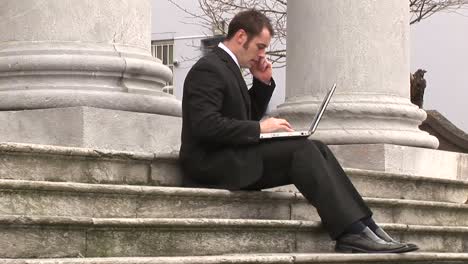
(275, 124)
(262, 70)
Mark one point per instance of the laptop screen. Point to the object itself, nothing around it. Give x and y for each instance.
(322, 108)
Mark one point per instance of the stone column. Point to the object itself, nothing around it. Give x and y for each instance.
(80, 73)
(62, 53)
(363, 46)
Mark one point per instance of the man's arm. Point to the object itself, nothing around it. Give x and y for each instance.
(260, 95)
(204, 98)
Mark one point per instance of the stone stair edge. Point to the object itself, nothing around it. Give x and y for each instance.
(12, 147)
(253, 258)
(402, 176)
(26, 148)
(201, 193)
(8, 184)
(153, 222)
(21, 220)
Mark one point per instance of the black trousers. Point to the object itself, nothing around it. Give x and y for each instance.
(314, 170)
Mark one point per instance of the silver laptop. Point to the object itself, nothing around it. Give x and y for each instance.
(313, 127)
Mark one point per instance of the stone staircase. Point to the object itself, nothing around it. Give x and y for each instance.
(74, 205)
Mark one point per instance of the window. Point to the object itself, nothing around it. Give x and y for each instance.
(211, 42)
(164, 50)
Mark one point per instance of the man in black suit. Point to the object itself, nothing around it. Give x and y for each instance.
(221, 147)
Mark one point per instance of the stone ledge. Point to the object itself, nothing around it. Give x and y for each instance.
(33, 198)
(10, 147)
(143, 190)
(403, 176)
(90, 237)
(96, 128)
(209, 194)
(401, 159)
(12, 220)
(87, 165)
(402, 186)
(451, 137)
(259, 259)
(71, 164)
(19, 220)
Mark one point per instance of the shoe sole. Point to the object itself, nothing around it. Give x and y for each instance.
(353, 249)
(410, 248)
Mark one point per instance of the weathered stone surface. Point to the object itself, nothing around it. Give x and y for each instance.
(42, 162)
(184, 237)
(166, 172)
(174, 242)
(40, 242)
(314, 241)
(212, 207)
(401, 186)
(97, 200)
(90, 200)
(463, 167)
(418, 257)
(450, 137)
(431, 238)
(401, 159)
(409, 258)
(53, 163)
(89, 127)
(29, 166)
(400, 211)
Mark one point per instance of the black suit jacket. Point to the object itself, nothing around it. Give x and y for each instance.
(220, 123)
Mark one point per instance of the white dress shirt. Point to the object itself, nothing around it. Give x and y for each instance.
(221, 45)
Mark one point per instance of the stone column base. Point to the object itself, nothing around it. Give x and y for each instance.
(92, 128)
(364, 119)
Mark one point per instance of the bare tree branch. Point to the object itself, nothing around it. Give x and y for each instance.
(422, 9)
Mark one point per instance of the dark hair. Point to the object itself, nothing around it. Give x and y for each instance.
(251, 21)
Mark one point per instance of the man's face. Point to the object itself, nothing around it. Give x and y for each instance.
(254, 50)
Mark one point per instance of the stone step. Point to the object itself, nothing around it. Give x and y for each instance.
(35, 198)
(51, 237)
(70, 164)
(405, 186)
(407, 258)
(67, 164)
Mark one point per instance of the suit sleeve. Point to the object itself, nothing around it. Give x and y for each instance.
(260, 95)
(204, 91)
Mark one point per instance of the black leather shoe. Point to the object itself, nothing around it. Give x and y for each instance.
(366, 242)
(386, 237)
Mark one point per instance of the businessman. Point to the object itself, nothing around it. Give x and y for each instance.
(221, 147)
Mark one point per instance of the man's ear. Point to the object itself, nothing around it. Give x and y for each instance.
(241, 37)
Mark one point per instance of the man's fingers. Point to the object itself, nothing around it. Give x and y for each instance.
(288, 129)
(264, 65)
(286, 123)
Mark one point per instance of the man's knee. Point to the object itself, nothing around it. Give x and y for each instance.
(318, 143)
(323, 148)
(312, 149)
